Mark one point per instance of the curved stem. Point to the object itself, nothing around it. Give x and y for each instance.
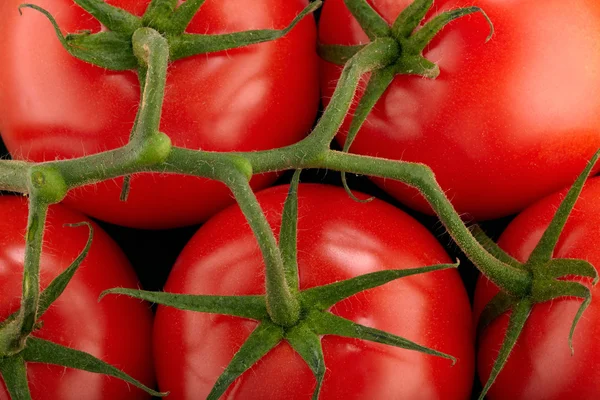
(377, 54)
(152, 51)
(512, 280)
(282, 305)
(31, 269)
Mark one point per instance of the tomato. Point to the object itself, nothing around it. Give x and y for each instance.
(55, 106)
(337, 239)
(116, 330)
(506, 122)
(541, 366)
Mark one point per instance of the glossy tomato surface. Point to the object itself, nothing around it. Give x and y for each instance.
(55, 106)
(337, 239)
(116, 330)
(507, 122)
(541, 365)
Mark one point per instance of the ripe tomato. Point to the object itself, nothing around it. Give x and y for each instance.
(337, 239)
(55, 106)
(506, 122)
(541, 365)
(116, 330)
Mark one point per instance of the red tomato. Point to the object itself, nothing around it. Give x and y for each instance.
(55, 106)
(337, 239)
(116, 330)
(541, 365)
(506, 122)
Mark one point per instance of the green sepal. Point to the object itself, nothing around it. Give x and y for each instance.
(109, 50)
(288, 234)
(187, 45)
(498, 305)
(410, 18)
(42, 351)
(417, 65)
(308, 344)
(58, 285)
(562, 267)
(253, 307)
(518, 317)
(14, 373)
(378, 83)
(336, 53)
(492, 247)
(554, 289)
(425, 35)
(545, 247)
(264, 338)
(324, 323)
(114, 18)
(183, 16)
(324, 297)
(36, 220)
(370, 21)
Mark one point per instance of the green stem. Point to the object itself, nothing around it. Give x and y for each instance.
(152, 52)
(13, 176)
(419, 176)
(282, 305)
(142, 73)
(31, 269)
(376, 55)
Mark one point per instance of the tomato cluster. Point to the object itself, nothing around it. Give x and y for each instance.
(505, 123)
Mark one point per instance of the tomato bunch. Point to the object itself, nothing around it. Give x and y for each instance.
(170, 114)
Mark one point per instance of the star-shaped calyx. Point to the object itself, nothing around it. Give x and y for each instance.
(546, 280)
(409, 39)
(113, 48)
(307, 318)
(18, 346)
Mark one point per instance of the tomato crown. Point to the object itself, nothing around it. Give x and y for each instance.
(17, 346)
(286, 313)
(545, 276)
(115, 49)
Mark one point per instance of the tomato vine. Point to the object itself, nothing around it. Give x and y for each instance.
(148, 44)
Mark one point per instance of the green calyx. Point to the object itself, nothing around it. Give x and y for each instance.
(17, 347)
(116, 49)
(285, 313)
(546, 276)
(411, 39)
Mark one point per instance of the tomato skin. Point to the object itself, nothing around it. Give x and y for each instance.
(337, 239)
(116, 330)
(54, 106)
(541, 365)
(507, 122)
